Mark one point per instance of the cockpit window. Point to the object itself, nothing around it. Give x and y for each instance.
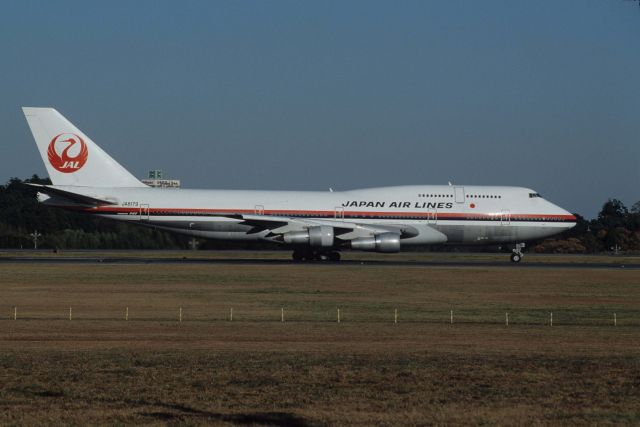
(532, 195)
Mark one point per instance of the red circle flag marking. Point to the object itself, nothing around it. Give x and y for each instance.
(73, 156)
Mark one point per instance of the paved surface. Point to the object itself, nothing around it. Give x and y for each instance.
(377, 263)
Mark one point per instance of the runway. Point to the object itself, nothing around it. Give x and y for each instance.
(525, 264)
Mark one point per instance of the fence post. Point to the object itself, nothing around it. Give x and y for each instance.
(282, 314)
(506, 318)
(338, 315)
(126, 313)
(451, 317)
(69, 313)
(231, 314)
(615, 320)
(180, 315)
(15, 313)
(395, 316)
(551, 319)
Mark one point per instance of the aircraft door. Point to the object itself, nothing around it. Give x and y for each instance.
(505, 217)
(432, 217)
(259, 210)
(144, 212)
(339, 213)
(459, 194)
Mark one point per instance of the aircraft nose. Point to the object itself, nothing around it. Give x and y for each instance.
(569, 219)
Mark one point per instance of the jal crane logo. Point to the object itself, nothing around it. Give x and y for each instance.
(67, 152)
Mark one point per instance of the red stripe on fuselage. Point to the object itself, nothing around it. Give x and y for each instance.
(440, 215)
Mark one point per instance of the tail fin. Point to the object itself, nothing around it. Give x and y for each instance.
(71, 157)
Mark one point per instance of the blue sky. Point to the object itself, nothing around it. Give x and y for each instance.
(342, 94)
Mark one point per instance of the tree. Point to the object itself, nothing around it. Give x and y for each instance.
(22, 214)
(613, 214)
(633, 222)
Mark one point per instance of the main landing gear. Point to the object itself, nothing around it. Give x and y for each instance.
(311, 255)
(517, 255)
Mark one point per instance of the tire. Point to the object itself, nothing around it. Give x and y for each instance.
(334, 256)
(516, 257)
(297, 256)
(321, 257)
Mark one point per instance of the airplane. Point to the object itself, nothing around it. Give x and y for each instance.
(317, 225)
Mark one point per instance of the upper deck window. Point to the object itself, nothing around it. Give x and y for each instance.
(532, 195)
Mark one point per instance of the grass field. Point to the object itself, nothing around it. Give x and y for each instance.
(309, 370)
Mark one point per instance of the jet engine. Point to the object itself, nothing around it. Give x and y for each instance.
(320, 236)
(383, 242)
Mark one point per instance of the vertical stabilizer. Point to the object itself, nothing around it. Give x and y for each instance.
(70, 156)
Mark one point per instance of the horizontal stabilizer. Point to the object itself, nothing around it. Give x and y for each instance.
(70, 196)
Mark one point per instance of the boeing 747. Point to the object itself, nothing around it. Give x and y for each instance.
(315, 224)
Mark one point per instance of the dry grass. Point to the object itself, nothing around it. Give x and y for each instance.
(99, 369)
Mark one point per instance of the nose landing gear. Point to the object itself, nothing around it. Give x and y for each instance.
(517, 255)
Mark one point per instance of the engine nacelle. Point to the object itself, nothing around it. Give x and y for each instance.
(320, 236)
(383, 242)
(296, 237)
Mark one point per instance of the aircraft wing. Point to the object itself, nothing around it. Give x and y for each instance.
(279, 225)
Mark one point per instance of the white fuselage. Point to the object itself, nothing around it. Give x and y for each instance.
(464, 214)
(86, 179)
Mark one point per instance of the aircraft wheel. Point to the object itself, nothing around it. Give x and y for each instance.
(515, 257)
(297, 256)
(334, 256)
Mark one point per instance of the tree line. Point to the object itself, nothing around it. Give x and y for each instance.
(21, 215)
(616, 228)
